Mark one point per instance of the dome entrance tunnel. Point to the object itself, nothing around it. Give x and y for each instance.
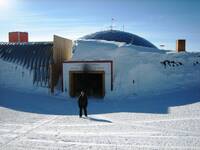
(92, 82)
(94, 77)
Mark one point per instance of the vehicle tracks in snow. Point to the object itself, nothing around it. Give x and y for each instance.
(30, 130)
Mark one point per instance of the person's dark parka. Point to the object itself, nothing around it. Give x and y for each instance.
(83, 100)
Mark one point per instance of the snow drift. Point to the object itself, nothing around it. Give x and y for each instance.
(141, 70)
(137, 70)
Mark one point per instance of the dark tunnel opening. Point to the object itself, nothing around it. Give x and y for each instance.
(92, 82)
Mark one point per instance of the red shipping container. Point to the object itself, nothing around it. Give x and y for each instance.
(18, 37)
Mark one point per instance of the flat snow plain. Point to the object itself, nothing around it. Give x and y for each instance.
(35, 121)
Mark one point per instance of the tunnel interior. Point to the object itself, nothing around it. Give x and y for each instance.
(91, 82)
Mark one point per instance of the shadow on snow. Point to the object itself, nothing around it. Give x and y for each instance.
(43, 104)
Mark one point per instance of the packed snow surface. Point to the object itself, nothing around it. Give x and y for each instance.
(35, 121)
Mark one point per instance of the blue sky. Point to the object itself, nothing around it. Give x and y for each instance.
(159, 21)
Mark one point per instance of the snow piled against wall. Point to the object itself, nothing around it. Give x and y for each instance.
(139, 70)
(17, 77)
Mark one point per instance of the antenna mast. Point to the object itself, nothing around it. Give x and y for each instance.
(112, 24)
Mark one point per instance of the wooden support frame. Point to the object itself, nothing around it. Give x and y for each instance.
(62, 51)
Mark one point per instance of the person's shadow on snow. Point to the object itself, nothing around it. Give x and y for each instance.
(98, 120)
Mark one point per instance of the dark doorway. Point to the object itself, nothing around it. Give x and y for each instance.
(91, 82)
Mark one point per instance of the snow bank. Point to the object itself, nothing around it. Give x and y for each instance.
(17, 77)
(140, 70)
(91, 50)
(137, 70)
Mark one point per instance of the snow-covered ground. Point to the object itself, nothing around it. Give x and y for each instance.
(39, 121)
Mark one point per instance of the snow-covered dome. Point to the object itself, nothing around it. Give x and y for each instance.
(120, 36)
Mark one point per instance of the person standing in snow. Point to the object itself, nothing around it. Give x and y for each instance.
(82, 103)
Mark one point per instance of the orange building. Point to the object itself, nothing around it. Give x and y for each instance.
(16, 37)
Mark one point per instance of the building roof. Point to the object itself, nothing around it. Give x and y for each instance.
(35, 56)
(120, 36)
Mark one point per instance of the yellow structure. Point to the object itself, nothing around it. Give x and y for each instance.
(62, 51)
(180, 45)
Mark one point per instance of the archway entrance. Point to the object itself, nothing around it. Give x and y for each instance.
(93, 82)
